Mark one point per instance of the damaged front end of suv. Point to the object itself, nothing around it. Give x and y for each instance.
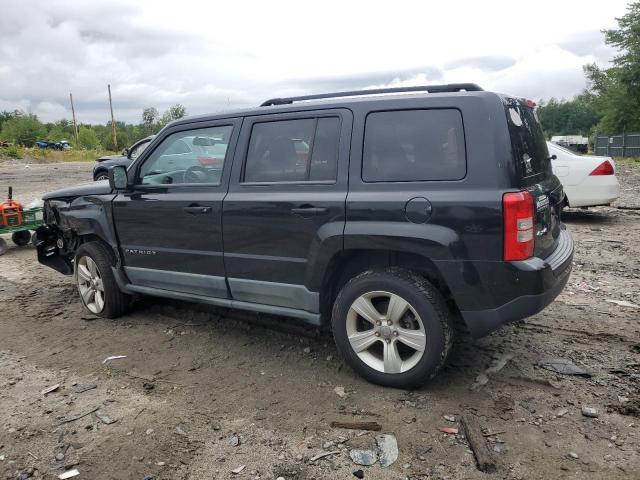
(73, 216)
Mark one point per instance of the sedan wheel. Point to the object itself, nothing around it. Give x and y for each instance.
(386, 332)
(90, 284)
(101, 176)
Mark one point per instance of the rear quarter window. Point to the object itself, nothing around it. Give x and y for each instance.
(414, 146)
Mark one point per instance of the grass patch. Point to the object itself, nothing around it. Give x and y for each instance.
(633, 161)
(42, 155)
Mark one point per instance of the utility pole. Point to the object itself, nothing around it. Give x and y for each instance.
(73, 113)
(113, 122)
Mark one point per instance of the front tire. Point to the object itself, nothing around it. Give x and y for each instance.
(21, 237)
(101, 176)
(96, 284)
(393, 327)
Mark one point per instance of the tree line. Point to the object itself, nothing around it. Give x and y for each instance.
(611, 102)
(24, 129)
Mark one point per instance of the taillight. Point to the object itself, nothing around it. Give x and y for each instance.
(605, 168)
(519, 228)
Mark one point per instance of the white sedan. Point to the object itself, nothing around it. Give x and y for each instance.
(588, 180)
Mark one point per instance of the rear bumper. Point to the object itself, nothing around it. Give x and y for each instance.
(594, 190)
(510, 291)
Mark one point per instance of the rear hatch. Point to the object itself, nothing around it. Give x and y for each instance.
(533, 172)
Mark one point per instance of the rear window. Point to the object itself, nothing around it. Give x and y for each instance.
(413, 146)
(528, 144)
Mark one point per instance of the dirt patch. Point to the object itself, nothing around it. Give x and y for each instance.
(196, 379)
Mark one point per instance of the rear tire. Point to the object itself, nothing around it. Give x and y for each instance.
(411, 333)
(99, 292)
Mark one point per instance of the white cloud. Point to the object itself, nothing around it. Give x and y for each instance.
(212, 55)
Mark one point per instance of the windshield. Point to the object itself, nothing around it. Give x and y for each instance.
(529, 147)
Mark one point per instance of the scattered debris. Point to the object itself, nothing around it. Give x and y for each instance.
(499, 363)
(493, 434)
(631, 406)
(480, 381)
(372, 426)
(106, 419)
(589, 412)
(562, 412)
(358, 473)
(387, 449)
(180, 431)
(114, 357)
(149, 431)
(449, 430)
(83, 388)
(623, 303)
(449, 418)
(78, 416)
(363, 457)
(234, 440)
(478, 445)
(323, 454)
(563, 366)
(340, 391)
(573, 455)
(50, 389)
(69, 474)
(306, 349)
(236, 471)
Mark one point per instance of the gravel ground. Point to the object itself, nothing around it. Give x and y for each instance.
(204, 391)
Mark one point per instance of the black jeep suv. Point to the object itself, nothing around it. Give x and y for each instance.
(388, 214)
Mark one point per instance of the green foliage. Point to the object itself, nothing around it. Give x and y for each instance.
(87, 138)
(569, 117)
(152, 122)
(13, 152)
(22, 129)
(150, 117)
(616, 90)
(173, 113)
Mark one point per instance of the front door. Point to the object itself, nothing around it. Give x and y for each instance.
(286, 205)
(170, 224)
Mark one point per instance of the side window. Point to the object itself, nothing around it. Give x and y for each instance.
(413, 146)
(293, 151)
(190, 156)
(135, 153)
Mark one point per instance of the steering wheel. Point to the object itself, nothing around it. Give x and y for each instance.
(195, 174)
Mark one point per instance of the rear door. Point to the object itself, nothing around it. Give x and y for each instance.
(534, 173)
(286, 202)
(169, 224)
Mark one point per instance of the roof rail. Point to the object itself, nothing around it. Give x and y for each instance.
(451, 87)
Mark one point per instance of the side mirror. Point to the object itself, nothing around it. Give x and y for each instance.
(118, 177)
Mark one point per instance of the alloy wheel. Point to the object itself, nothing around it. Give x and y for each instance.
(90, 284)
(386, 332)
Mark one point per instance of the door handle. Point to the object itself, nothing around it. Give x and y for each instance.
(309, 210)
(197, 210)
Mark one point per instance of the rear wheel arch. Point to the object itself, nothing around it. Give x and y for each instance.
(347, 264)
